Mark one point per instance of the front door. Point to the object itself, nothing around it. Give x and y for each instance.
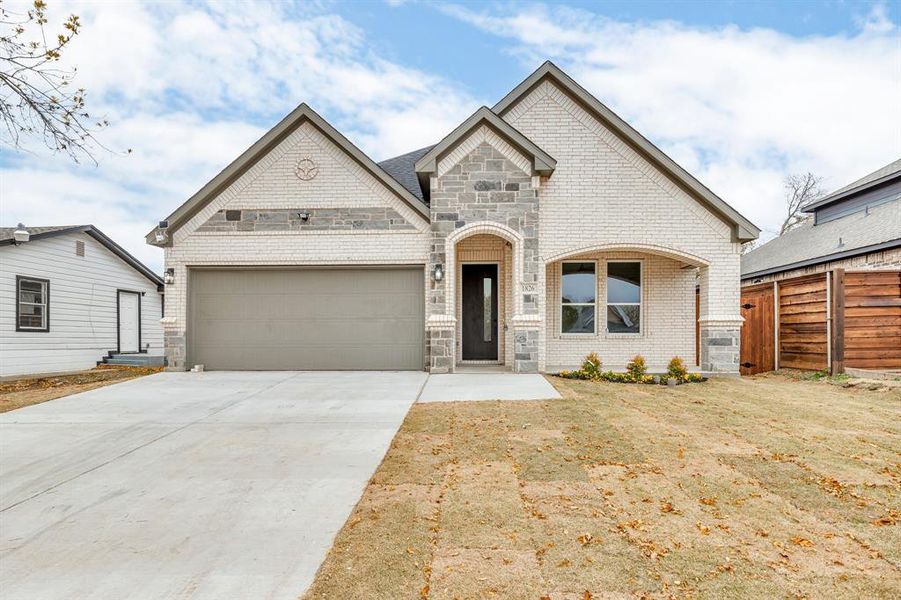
(479, 312)
(129, 322)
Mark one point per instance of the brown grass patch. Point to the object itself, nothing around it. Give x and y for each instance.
(757, 487)
(19, 393)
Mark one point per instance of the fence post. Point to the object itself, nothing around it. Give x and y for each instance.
(838, 321)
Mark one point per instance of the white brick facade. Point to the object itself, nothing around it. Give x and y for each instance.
(603, 201)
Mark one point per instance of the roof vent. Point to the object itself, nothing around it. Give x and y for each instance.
(840, 242)
(21, 235)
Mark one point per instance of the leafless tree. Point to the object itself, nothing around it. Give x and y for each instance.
(37, 97)
(748, 246)
(800, 190)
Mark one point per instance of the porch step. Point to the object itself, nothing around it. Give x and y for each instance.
(133, 360)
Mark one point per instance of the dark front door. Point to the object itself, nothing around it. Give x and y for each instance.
(479, 312)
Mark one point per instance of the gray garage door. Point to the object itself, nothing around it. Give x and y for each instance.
(300, 319)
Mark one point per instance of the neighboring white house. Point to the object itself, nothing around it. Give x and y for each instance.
(537, 231)
(70, 296)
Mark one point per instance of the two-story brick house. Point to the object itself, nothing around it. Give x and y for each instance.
(537, 231)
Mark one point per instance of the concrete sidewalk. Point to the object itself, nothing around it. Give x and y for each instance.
(180, 485)
(486, 386)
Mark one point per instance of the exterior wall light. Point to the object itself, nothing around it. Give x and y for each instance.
(169, 276)
(438, 273)
(161, 236)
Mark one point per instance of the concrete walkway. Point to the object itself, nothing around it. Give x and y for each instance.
(486, 386)
(180, 485)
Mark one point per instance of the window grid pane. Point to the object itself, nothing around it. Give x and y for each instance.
(578, 297)
(32, 304)
(624, 297)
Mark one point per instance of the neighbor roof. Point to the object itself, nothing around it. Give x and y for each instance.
(877, 177)
(260, 148)
(38, 233)
(809, 244)
(744, 230)
(542, 162)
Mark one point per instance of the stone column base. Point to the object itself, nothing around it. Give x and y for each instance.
(720, 345)
(439, 343)
(526, 345)
(175, 350)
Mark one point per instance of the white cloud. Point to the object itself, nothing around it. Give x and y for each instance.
(190, 86)
(738, 108)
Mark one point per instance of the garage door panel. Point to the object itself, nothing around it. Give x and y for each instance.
(307, 319)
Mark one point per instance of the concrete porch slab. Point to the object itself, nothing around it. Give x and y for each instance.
(486, 386)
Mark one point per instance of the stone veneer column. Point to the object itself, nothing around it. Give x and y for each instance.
(485, 187)
(720, 346)
(720, 321)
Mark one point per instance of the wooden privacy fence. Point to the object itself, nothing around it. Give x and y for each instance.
(827, 321)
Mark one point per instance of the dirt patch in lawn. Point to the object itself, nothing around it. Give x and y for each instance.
(25, 392)
(757, 487)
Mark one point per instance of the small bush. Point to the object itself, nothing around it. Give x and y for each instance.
(591, 367)
(676, 369)
(636, 372)
(637, 368)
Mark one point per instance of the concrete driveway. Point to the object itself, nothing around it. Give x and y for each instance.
(180, 485)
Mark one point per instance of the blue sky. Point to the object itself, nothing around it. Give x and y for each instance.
(741, 94)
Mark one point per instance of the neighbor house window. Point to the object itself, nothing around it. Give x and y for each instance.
(578, 297)
(624, 297)
(32, 299)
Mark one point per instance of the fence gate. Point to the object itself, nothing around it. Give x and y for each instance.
(758, 338)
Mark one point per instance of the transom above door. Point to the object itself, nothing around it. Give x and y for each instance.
(479, 312)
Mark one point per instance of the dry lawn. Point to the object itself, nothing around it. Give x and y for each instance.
(764, 487)
(25, 392)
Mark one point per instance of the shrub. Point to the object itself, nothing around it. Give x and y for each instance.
(676, 369)
(591, 367)
(637, 368)
(572, 374)
(694, 378)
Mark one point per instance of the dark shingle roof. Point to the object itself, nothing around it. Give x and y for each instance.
(401, 169)
(6, 233)
(37, 233)
(880, 226)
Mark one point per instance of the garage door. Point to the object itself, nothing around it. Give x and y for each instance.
(307, 319)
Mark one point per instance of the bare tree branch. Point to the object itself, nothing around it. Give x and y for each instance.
(37, 99)
(800, 190)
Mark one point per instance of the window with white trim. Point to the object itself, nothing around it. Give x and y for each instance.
(32, 299)
(624, 297)
(578, 297)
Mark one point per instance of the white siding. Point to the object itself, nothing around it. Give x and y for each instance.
(82, 305)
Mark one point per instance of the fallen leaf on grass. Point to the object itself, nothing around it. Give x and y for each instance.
(667, 507)
(424, 591)
(584, 539)
(586, 595)
(703, 528)
(708, 501)
(799, 541)
(680, 453)
(889, 519)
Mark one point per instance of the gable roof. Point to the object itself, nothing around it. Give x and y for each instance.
(39, 233)
(743, 229)
(402, 169)
(878, 177)
(862, 232)
(542, 162)
(260, 148)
